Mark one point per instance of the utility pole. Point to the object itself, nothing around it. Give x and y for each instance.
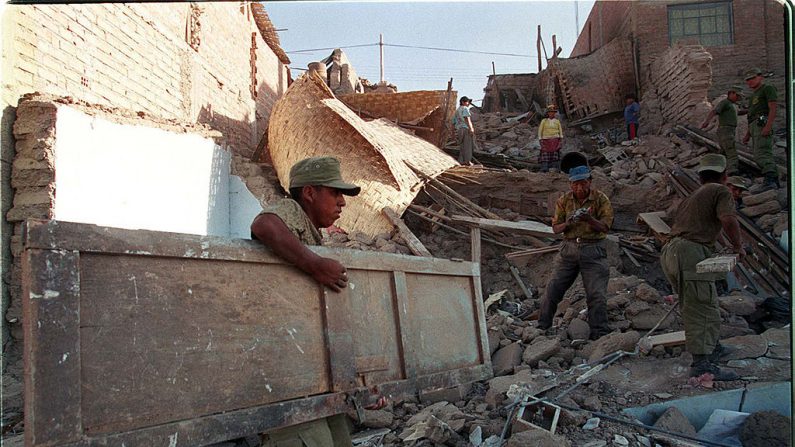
(538, 48)
(381, 46)
(576, 20)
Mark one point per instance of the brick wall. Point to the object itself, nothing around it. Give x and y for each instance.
(596, 83)
(190, 62)
(758, 38)
(140, 57)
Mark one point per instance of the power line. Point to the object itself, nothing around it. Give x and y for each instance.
(332, 48)
(453, 50)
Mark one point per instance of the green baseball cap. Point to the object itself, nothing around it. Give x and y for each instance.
(712, 162)
(752, 73)
(737, 181)
(736, 89)
(321, 171)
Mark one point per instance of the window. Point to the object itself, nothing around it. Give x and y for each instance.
(709, 23)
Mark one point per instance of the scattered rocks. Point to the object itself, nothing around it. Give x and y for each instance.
(537, 438)
(579, 329)
(612, 342)
(505, 359)
(778, 343)
(500, 385)
(747, 347)
(766, 429)
(673, 420)
(377, 419)
(738, 304)
(647, 293)
(622, 283)
(541, 349)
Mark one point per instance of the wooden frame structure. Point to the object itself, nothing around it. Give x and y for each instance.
(152, 338)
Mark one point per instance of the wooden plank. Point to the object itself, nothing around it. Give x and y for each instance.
(525, 227)
(413, 243)
(92, 238)
(51, 355)
(518, 279)
(339, 339)
(723, 263)
(405, 322)
(670, 339)
(474, 239)
(654, 222)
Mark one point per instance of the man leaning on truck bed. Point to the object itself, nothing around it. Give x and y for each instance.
(317, 197)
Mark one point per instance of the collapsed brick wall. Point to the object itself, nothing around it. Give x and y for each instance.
(192, 62)
(595, 83)
(677, 87)
(509, 92)
(758, 36)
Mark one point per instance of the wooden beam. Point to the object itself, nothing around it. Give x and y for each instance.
(670, 339)
(655, 223)
(724, 263)
(526, 226)
(474, 237)
(413, 243)
(525, 290)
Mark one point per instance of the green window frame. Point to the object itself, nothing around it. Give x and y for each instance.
(711, 23)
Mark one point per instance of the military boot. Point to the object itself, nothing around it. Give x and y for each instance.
(702, 365)
(720, 352)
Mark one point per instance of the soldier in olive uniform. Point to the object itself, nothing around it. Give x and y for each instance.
(727, 126)
(699, 220)
(286, 227)
(761, 114)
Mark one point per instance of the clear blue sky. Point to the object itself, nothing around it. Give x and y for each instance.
(495, 27)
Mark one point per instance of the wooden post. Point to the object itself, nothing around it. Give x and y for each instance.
(554, 46)
(381, 47)
(474, 236)
(538, 48)
(446, 120)
(493, 69)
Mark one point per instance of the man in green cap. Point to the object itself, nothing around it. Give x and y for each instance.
(737, 186)
(761, 114)
(727, 126)
(317, 194)
(698, 222)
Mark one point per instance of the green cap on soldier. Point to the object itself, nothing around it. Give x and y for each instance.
(712, 162)
(737, 181)
(321, 171)
(752, 73)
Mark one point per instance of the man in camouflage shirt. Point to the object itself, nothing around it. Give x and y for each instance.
(286, 227)
(584, 216)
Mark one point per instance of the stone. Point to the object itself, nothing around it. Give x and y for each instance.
(617, 301)
(504, 360)
(636, 307)
(377, 419)
(757, 199)
(498, 386)
(620, 440)
(778, 343)
(739, 304)
(610, 343)
(673, 420)
(494, 340)
(766, 429)
(647, 293)
(592, 403)
(541, 349)
(530, 333)
(579, 329)
(453, 394)
(747, 347)
(591, 424)
(621, 283)
(537, 438)
(649, 318)
(765, 208)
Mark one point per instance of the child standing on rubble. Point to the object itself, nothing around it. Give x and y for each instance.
(550, 136)
(631, 116)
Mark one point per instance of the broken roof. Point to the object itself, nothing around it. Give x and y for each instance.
(268, 31)
(310, 121)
